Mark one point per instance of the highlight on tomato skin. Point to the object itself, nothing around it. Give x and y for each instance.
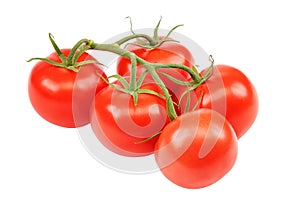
(160, 105)
(240, 96)
(62, 96)
(231, 93)
(121, 126)
(197, 149)
(168, 52)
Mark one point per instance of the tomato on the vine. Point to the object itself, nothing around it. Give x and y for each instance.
(167, 52)
(196, 149)
(230, 92)
(62, 96)
(160, 103)
(124, 127)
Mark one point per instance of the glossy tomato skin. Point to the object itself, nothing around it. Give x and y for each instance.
(231, 93)
(168, 52)
(175, 90)
(62, 96)
(121, 126)
(196, 149)
(235, 98)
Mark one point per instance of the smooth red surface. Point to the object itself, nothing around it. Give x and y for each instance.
(62, 96)
(120, 125)
(196, 149)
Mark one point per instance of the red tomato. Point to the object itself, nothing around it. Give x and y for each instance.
(62, 96)
(229, 92)
(168, 52)
(196, 149)
(121, 126)
(174, 89)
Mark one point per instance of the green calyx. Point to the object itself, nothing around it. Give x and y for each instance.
(69, 62)
(148, 42)
(195, 84)
(125, 87)
(133, 85)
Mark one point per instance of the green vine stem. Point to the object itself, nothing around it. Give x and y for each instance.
(133, 87)
(69, 62)
(151, 68)
(151, 41)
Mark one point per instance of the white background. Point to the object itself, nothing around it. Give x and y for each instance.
(43, 161)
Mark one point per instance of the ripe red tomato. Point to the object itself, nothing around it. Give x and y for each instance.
(62, 96)
(168, 52)
(238, 95)
(196, 149)
(121, 126)
(229, 92)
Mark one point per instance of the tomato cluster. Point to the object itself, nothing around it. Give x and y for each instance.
(134, 115)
